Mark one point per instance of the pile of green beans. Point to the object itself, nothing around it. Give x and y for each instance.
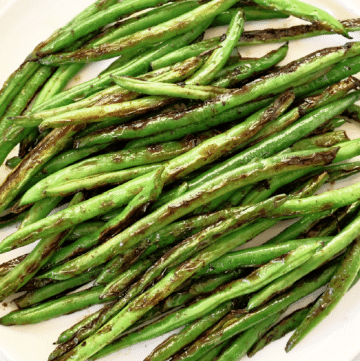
(165, 164)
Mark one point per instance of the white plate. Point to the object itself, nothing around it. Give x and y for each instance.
(23, 25)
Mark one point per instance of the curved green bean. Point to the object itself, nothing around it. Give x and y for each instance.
(306, 11)
(48, 310)
(43, 293)
(338, 286)
(161, 32)
(339, 242)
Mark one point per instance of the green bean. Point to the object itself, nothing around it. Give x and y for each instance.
(137, 66)
(332, 225)
(322, 140)
(25, 270)
(204, 75)
(209, 284)
(255, 196)
(161, 32)
(67, 335)
(186, 52)
(181, 317)
(276, 142)
(52, 86)
(116, 94)
(241, 132)
(338, 286)
(44, 151)
(247, 339)
(339, 242)
(306, 12)
(209, 193)
(260, 191)
(146, 196)
(40, 210)
(167, 236)
(70, 156)
(82, 243)
(132, 312)
(84, 229)
(118, 160)
(332, 124)
(247, 68)
(126, 278)
(285, 326)
(354, 112)
(219, 56)
(93, 22)
(175, 342)
(200, 92)
(186, 249)
(339, 71)
(232, 114)
(265, 85)
(57, 82)
(299, 227)
(51, 309)
(235, 323)
(255, 256)
(233, 240)
(144, 20)
(213, 354)
(251, 13)
(254, 37)
(10, 134)
(202, 194)
(41, 294)
(100, 180)
(152, 17)
(15, 83)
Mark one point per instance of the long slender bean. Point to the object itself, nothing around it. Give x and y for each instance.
(194, 244)
(307, 12)
(202, 307)
(252, 13)
(137, 66)
(255, 256)
(48, 310)
(43, 293)
(236, 322)
(254, 37)
(100, 180)
(30, 165)
(232, 114)
(338, 286)
(219, 56)
(25, 270)
(285, 326)
(133, 311)
(161, 32)
(265, 85)
(174, 90)
(247, 339)
(10, 133)
(339, 242)
(202, 194)
(176, 342)
(122, 159)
